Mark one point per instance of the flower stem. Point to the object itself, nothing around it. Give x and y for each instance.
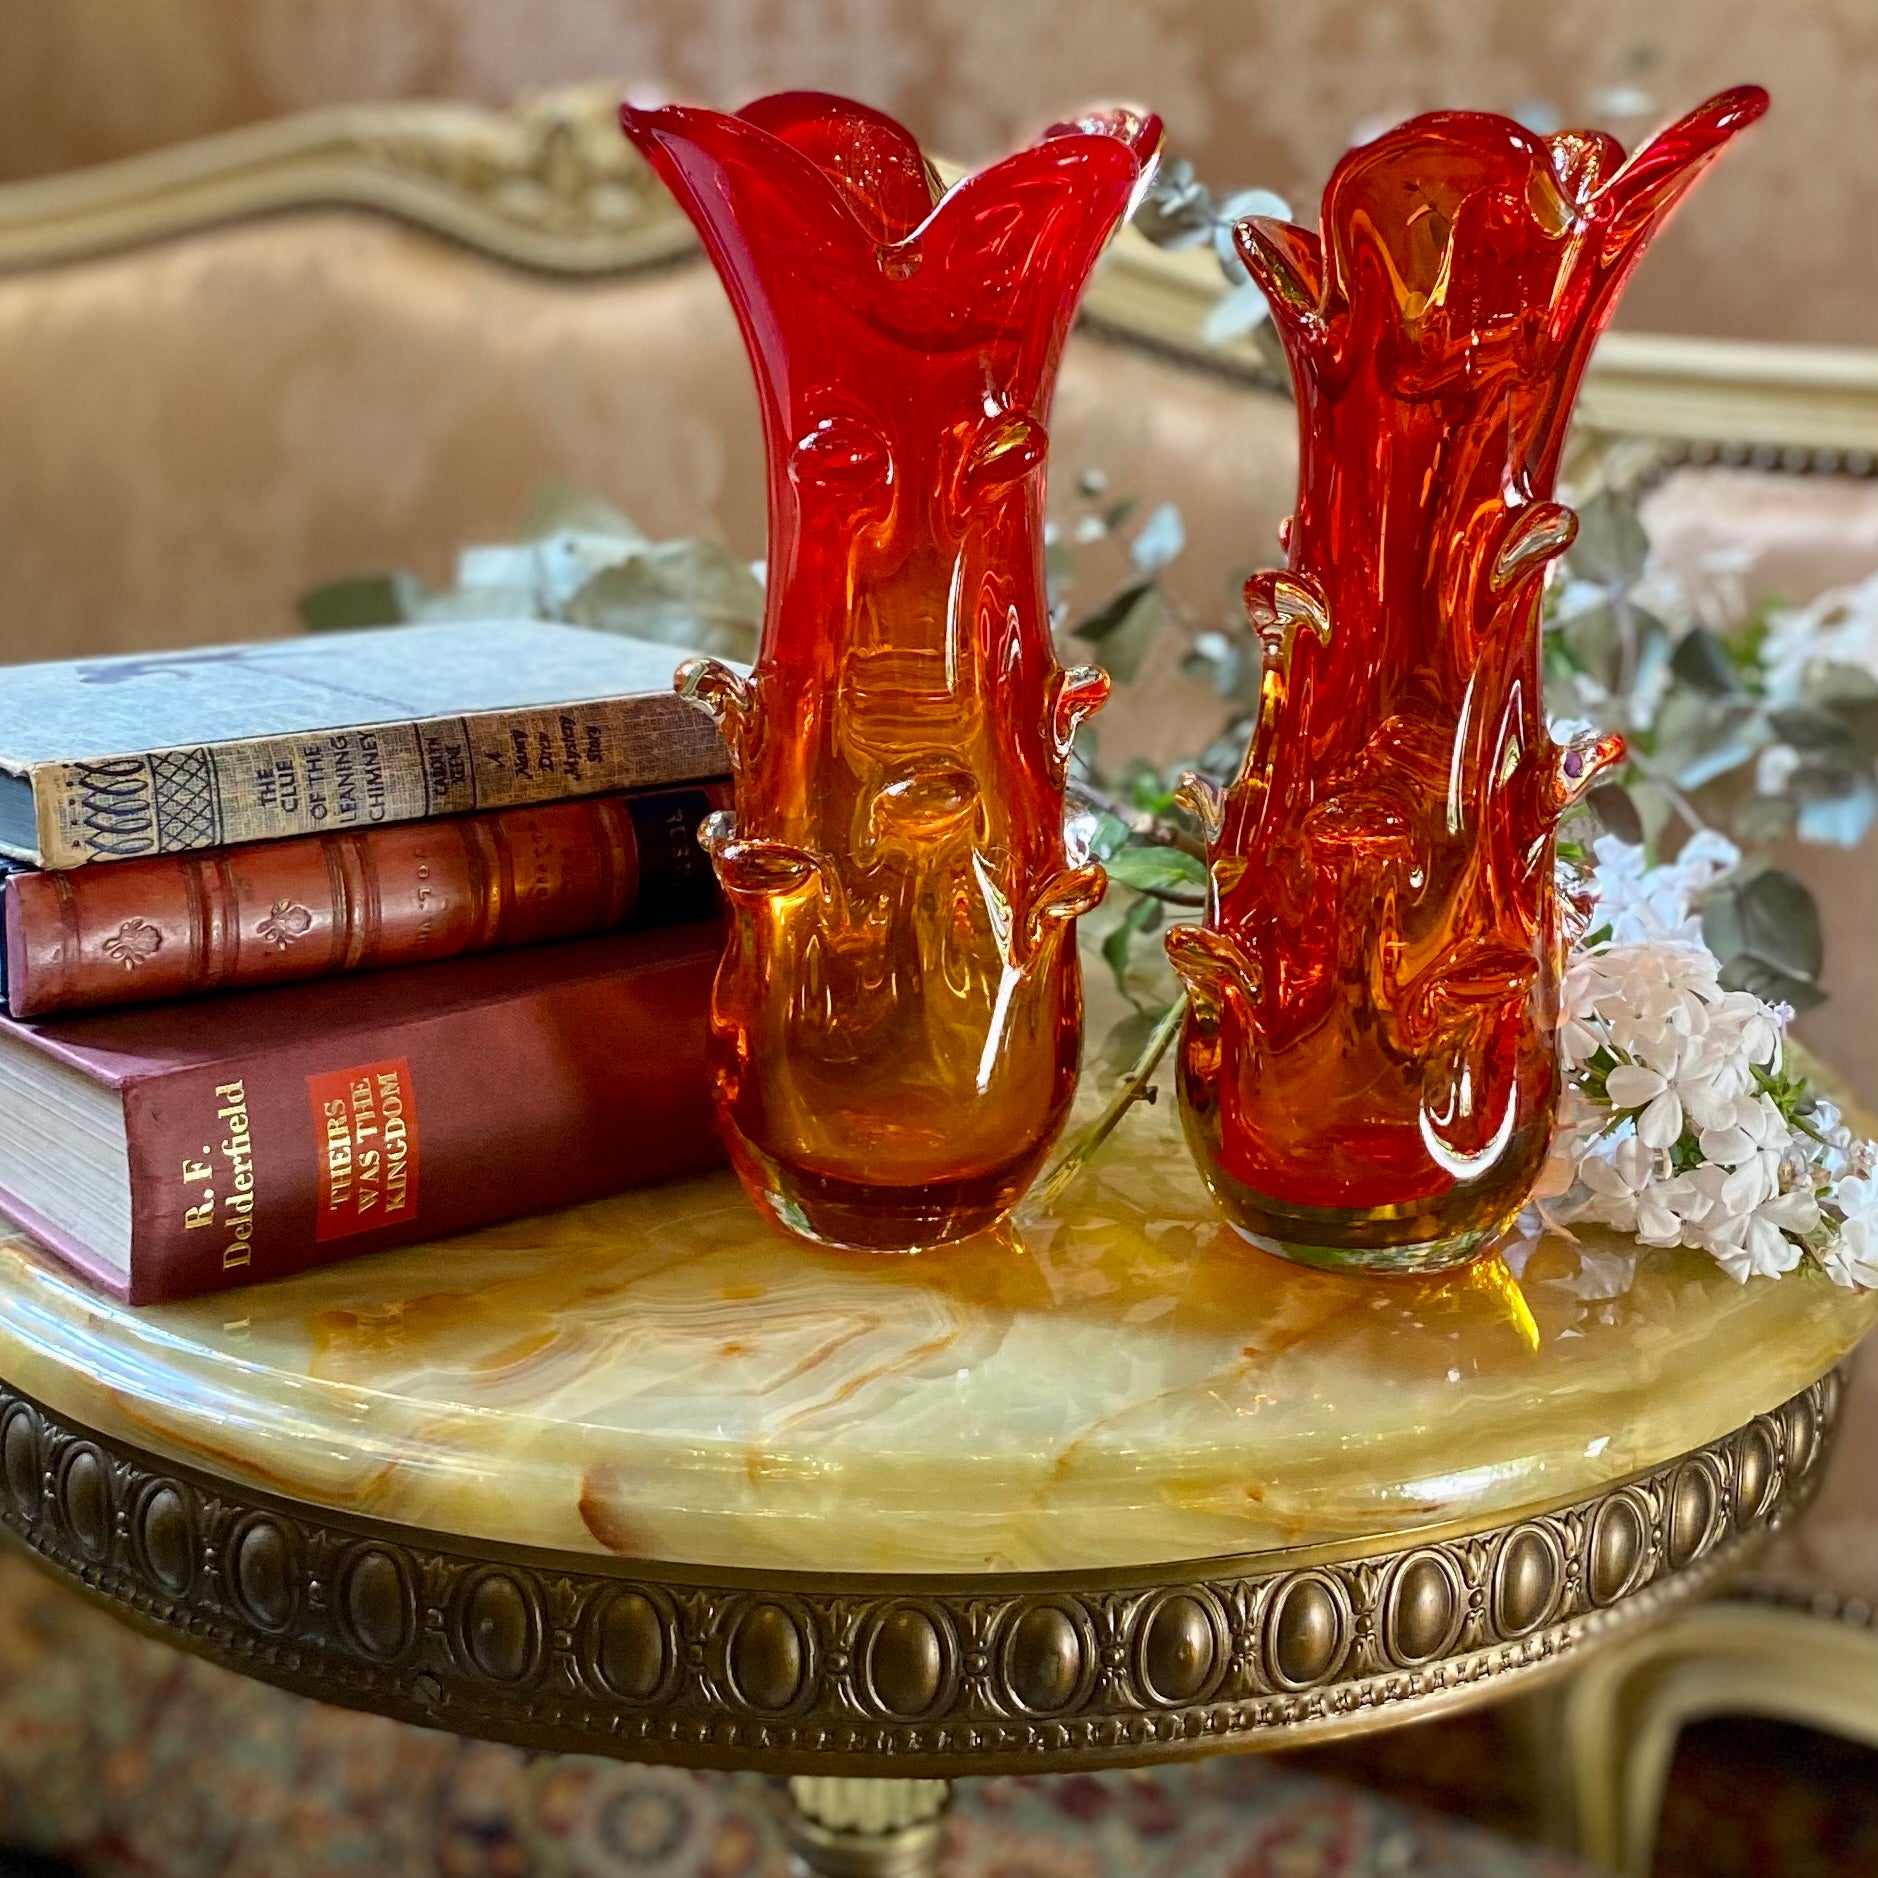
(1155, 828)
(1132, 1088)
(1645, 767)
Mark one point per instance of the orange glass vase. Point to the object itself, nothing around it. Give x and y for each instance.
(1367, 1071)
(897, 1020)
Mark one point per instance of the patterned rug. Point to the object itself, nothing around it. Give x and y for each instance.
(125, 1759)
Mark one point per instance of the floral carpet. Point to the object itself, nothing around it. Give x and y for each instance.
(124, 1759)
(120, 1758)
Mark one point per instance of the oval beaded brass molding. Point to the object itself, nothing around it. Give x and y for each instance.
(920, 1676)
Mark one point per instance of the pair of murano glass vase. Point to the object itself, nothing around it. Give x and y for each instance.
(1367, 1069)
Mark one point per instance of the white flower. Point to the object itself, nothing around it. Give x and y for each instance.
(1627, 1193)
(1856, 1197)
(1686, 1069)
(1839, 628)
(1641, 903)
(1758, 1128)
(1796, 1212)
(1762, 1250)
(1850, 1256)
(1632, 1086)
(1844, 1269)
(1643, 1001)
(1687, 1051)
(1774, 768)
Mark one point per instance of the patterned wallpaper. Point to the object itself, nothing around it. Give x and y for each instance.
(1781, 243)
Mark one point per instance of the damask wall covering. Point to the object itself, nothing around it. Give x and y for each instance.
(1785, 244)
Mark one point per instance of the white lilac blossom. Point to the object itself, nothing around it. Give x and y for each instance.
(1683, 1124)
(1839, 628)
(1853, 1257)
(1632, 901)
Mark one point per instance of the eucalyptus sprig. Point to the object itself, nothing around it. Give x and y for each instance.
(1180, 211)
(579, 561)
(1741, 725)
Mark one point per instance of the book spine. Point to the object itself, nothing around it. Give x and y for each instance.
(178, 925)
(220, 795)
(308, 1153)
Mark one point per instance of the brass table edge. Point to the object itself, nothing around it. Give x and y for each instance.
(906, 1677)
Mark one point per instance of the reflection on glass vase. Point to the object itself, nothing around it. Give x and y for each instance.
(897, 1020)
(1368, 1071)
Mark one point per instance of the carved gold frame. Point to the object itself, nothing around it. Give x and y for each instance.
(551, 185)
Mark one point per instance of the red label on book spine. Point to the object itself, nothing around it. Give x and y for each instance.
(365, 1142)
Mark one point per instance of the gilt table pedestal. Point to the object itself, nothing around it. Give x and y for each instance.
(1108, 1488)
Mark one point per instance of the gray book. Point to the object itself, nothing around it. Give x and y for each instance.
(165, 752)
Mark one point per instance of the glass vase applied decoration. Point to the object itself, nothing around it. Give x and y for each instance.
(1367, 1070)
(897, 1020)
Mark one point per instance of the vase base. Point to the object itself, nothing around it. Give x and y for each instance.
(1433, 1234)
(1427, 1255)
(1383, 1240)
(855, 1216)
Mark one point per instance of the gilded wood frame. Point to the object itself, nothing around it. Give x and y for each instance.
(551, 185)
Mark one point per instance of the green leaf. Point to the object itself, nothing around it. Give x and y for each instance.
(1610, 545)
(1121, 630)
(1768, 917)
(1849, 696)
(468, 603)
(1120, 941)
(368, 600)
(1697, 738)
(1746, 972)
(1614, 806)
(1141, 786)
(1177, 211)
(1109, 618)
(1654, 810)
(1222, 758)
(1158, 870)
(1745, 646)
(1700, 659)
(1109, 836)
(1761, 820)
(1229, 662)
(1594, 642)
(1811, 727)
(692, 594)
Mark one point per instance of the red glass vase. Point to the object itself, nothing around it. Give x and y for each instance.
(897, 1020)
(1368, 1072)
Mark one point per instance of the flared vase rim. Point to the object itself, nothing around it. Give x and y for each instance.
(1274, 248)
(1132, 129)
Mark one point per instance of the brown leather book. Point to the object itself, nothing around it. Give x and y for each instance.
(176, 925)
(199, 1146)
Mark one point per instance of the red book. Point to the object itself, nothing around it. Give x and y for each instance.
(199, 1146)
(175, 925)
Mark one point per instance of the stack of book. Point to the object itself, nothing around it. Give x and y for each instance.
(322, 946)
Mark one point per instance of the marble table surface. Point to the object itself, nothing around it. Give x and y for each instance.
(1116, 1380)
